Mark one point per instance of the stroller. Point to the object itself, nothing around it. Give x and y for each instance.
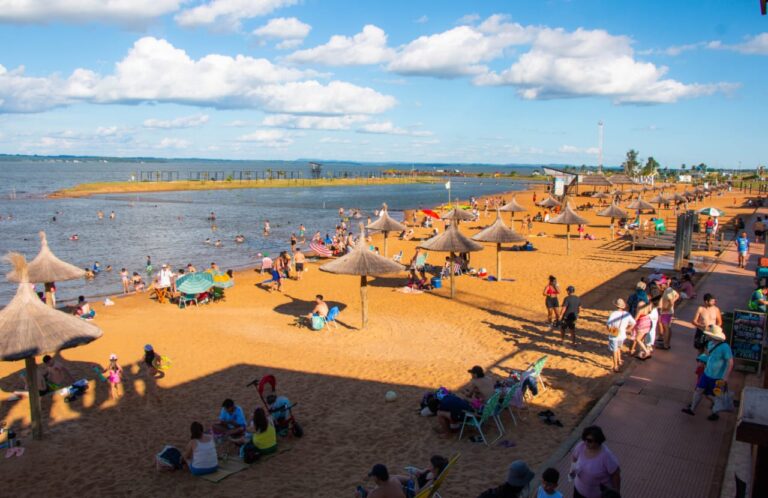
(278, 406)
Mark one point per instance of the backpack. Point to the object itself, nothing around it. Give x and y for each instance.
(249, 453)
(168, 459)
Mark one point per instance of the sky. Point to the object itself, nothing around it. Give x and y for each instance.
(500, 82)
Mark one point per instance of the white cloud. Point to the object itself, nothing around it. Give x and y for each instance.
(182, 122)
(468, 19)
(268, 138)
(754, 45)
(173, 143)
(572, 149)
(238, 123)
(388, 128)
(290, 30)
(334, 140)
(422, 20)
(591, 63)
(227, 14)
(156, 71)
(127, 12)
(367, 47)
(106, 131)
(313, 122)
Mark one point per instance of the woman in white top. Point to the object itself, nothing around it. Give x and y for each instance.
(618, 323)
(200, 453)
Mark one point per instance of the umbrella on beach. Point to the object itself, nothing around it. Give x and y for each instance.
(640, 205)
(363, 262)
(658, 199)
(46, 268)
(451, 241)
(29, 328)
(711, 211)
(194, 283)
(549, 202)
(499, 233)
(513, 207)
(222, 281)
(613, 211)
(431, 213)
(320, 249)
(386, 224)
(602, 195)
(568, 217)
(458, 214)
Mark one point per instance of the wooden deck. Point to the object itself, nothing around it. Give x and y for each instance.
(666, 241)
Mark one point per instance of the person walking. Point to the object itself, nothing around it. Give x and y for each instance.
(718, 368)
(618, 323)
(742, 245)
(550, 292)
(594, 466)
(571, 310)
(666, 314)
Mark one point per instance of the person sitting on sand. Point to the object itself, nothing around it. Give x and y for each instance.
(200, 453)
(320, 309)
(231, 420)
(138, 282)
(261, 434)
(84, 310)
(56, 374)
(686, 289)
(386, 486)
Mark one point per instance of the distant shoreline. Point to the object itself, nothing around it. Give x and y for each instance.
(89, 189)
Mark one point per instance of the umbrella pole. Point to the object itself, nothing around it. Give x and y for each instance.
(49, 295)
(498, 262)
(450, 271)
(34, 398)
(567, 240)
(385, 244)
(364, 298)
(612, 233)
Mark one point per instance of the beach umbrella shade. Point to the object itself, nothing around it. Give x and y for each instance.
(431, 213)
(640, 205)
(29, 328)
(613, 211)
(360, 261)
(677, 198)
(221, 281)
(194, 283)
(458, 214)
(513, 207)
(451, 241)
(658, 199)
(320, 249)
(711, 211)
(499, 233)
(568, 217)
(46, 268)
(602, 195)
(386, 224)
(549, 202)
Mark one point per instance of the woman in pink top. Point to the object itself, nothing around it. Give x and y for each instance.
(594, 465)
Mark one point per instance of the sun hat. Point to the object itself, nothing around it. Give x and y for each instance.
(715, 332)
(619, 303)
(113, 356)
(148, 347)
(519, 474)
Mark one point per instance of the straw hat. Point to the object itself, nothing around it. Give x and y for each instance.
(715, 332)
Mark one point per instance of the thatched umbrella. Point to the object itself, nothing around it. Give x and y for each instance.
(640, 205)
(46, 268)
(386, 224)
(568, 217)
(452, 241)
(29, 328)
(659, 199)
(500, 234)
(513, 207)
(613, 211)
(549, 202)
(457, 214)
(602, 195)
(363, 262)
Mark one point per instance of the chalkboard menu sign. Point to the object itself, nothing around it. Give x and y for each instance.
(748, 337)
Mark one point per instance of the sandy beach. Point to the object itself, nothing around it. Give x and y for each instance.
(413, 343)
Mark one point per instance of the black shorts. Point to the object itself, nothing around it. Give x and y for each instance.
(569, 321)
(551, 302)
(299, 266)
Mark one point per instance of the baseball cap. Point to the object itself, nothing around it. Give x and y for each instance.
(148, 347)
(477, 370)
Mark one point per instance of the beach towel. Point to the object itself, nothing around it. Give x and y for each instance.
(226, 469)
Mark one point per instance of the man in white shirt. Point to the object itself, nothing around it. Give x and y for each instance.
(618, 323)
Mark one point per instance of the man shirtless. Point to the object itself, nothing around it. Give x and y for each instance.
(706, 315)
(320, 309)
(480, 387)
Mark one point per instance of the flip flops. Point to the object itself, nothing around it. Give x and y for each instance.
(506, 443)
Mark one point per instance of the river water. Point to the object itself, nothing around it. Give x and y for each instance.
(171, 227)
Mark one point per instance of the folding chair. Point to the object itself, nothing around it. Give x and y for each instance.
(506, 404)
(535, 369)
(331, 318)
(185, 299)
(431, 491)
(397, 257)
(478, 420)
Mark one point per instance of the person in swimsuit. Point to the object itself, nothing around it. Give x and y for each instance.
(298, 260)
(706, 315)
(551, 291)
(114, 374)
(153, 362)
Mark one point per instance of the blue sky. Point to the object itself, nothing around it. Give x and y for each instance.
(498, 82)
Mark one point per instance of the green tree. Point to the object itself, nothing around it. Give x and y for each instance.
(651, 167)
(631, 164)
(583, 169)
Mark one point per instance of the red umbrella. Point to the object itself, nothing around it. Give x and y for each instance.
(431, 213)
(320, 249)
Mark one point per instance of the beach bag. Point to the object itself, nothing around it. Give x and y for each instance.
(168, 459)
(723, 402)
(249, 453)
(318, 322)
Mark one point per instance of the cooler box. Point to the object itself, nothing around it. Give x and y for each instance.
(437, 282)
(762, 272)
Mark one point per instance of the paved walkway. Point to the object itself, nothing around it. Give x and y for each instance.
(664, 452)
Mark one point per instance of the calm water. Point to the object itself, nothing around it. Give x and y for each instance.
(171, 226)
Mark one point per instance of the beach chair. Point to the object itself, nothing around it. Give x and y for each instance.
(431, 491)
(217, 294)
(331, 318)
(185, 299)
(535, 369)
(397, 257)
(477, 421)
(506, 404)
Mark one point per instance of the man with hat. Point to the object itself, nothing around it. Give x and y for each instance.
(163, 284)
(519, 476)
(481, 387)
(386, 486)
(718, 368)
(618, 323)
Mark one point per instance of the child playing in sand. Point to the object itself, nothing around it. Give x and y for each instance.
(548, 487)
(114, 374)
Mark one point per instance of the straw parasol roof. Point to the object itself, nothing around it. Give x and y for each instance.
(613, 211)
(386, 224)
(549, 202)
(499, 233)
(513, 207)
(568, 217)
(46, 267)
(452, 241)
(659, 199)
(677, 198)
(29, 328)
(602, 195)
(458, 214)
(640, 205)
(363, 262)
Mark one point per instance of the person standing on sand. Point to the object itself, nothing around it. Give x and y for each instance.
(571, 310)
(550, 293)
(706, 315)
(298, 260)
(742, 244)
(618, 323)
(114, 375)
